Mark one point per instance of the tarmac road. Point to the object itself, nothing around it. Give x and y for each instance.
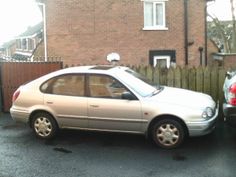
(93, 154)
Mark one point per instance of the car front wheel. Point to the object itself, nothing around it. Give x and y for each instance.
(168, 133)
(44, 125)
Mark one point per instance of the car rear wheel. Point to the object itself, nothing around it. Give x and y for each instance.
(168, 133)
(44, 125)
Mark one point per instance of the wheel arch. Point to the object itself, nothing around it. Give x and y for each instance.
(166, 116)
(40, 111)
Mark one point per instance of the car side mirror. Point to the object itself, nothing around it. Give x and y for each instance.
(128, 96)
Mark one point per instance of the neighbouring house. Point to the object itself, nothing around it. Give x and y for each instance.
(226, 60)
(155, 32)
(7, 50)
(28, 42)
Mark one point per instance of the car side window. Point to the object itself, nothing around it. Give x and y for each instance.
(102, 86)
(70, 85)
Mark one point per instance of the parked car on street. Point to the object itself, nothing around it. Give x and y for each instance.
(113, 99)
(229, 106)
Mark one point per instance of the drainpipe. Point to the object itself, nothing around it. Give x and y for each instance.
(44, 31)
(186, 30)
(206, 56)
(200, 49)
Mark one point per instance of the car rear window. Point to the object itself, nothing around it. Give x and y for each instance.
(70, 85)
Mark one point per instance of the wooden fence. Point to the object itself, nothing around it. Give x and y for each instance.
(14, 74)
(208, 80)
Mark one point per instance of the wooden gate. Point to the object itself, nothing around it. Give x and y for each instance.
(14, 74)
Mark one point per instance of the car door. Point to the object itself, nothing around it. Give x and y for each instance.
(106, 108)
(65, 97)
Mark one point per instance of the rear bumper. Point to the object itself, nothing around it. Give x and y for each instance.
(203, 127)
(230, 113)
(19, 115)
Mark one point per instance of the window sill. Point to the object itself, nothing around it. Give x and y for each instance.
(155, 28)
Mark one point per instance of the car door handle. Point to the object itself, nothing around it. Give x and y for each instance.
(94, 106)
(49, 102)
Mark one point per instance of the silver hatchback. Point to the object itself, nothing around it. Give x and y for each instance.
(115, 99)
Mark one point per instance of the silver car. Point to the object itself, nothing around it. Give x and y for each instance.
(229, 106)
(113, 99)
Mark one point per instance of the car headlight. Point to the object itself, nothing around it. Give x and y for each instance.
(208, 113)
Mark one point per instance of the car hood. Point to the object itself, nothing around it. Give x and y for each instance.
(183, 97)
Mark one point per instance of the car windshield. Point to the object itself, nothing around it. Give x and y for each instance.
(139, 76)
(140, 84)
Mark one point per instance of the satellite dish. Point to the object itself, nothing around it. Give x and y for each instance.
(113, 58)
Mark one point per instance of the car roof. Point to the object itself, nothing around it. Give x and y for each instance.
(92, 69)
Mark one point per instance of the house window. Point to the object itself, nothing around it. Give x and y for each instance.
(30, 44)
(23, 44)
(18, 43)
(154, 15)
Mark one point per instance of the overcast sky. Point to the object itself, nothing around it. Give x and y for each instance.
(221, 9)
(17, 15)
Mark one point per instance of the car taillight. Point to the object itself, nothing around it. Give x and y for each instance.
(232, 94)
(15, 95)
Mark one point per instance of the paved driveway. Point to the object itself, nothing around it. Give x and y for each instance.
(92, 154)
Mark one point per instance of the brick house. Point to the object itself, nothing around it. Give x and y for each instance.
(28, 42)
(24, 46)
(7, 50)
(164, 32)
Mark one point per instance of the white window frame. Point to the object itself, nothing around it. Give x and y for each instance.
(22, 44)
(154, 26)
(163, 57)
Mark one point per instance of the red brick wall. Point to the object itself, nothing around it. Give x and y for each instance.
(84, 32)
(196, 30)
(229, 61)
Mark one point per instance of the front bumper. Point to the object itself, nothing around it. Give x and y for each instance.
(203, 127)
(230, 113)
(19, 115)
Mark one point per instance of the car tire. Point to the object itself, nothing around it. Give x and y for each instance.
(168, 133)
(44, 125)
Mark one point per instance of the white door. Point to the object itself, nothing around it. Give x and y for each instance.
(161, 61)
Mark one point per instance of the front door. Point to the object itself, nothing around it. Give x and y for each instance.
(161, 61)
(106, 108)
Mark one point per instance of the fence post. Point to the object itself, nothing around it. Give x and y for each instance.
(214, 83)
(184, 78)
(149, 72)
(199, 79)
(163, 76)
(207, 81)
(156, 76)
(177, 77)
(192, 79)
(170, 77)
(222, 73)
